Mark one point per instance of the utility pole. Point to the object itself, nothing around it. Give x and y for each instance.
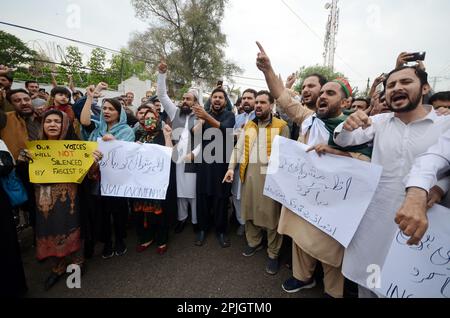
(330, 35)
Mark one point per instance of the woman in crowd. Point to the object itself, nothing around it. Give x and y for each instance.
(112, 125)
(58, 232)
(151, 220)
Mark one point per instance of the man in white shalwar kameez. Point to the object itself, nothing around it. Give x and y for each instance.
(398, 138)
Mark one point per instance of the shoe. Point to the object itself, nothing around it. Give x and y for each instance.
(272, 266)
(250, 251)
(200, 239)
(180, 226)
(141, 247)
(51, 280)
(241, 230)
(121, 248)
(223, 240)
(108, 251)
(161, 249)
(293, 285)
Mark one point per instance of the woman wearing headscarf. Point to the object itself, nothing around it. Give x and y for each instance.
(112, 125)
(58, 232)
(152, 222)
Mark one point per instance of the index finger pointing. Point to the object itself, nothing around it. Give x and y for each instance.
(261, 49)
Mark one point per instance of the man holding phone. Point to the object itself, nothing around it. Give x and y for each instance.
(406, 57)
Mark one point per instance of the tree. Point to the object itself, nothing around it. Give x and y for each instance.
(187, 33)
(96, 64)
(74, 67)
(304, 72)
(124, 66)
(13, 51)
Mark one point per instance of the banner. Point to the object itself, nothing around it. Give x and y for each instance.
(330, 192)
(60, 161)
(133, 170)
(423, 270)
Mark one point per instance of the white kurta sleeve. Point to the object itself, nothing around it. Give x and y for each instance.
(428, 166)
(166, 102)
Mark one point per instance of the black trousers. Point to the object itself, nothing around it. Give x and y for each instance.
(151, 227)
(12, 275)
(212, 210)
(116, 208)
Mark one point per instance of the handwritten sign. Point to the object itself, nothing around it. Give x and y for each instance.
(60, 161)
(330, 192)
(134, 170)
(420, 271)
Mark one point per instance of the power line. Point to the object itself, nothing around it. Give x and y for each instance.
(249, 78)
(76, 41)
(318, 37)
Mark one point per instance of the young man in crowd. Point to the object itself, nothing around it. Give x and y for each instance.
(398, 138)
(260, 213)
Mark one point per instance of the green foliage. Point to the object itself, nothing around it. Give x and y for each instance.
(188, 35)
(124, 66)
(304, 72)
(13, 51)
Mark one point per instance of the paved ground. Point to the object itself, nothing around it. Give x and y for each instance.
(185, 271)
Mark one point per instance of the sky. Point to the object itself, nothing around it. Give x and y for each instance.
(371, 33)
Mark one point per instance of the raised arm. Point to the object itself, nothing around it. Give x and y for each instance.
(161, 91)
(292, 107)
(85, 117)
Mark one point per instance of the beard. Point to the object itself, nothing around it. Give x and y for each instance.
(331, 112)
(247, 108)
(408, 108)
(185, 110)
(217, 108)
(263, 116)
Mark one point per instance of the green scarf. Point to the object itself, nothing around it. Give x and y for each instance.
(331, 124)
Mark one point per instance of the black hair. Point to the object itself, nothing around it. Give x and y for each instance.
(443, 96)
(115, 103)
(362, 99)
(30, 82)
(251, 91)
(52, 112)
(264, 92)
(238, 101)
(60, 90)
(9, 77)
(322, 79)
(12, 92)
(145, 105)
(421, 74)
(220, 90)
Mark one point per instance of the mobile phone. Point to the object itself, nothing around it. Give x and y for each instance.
(418, 56)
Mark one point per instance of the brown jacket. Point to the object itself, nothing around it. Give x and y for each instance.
(18, 131)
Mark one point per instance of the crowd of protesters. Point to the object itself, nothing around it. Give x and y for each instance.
(394, 127)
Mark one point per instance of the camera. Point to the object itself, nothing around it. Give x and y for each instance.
(418, 56)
